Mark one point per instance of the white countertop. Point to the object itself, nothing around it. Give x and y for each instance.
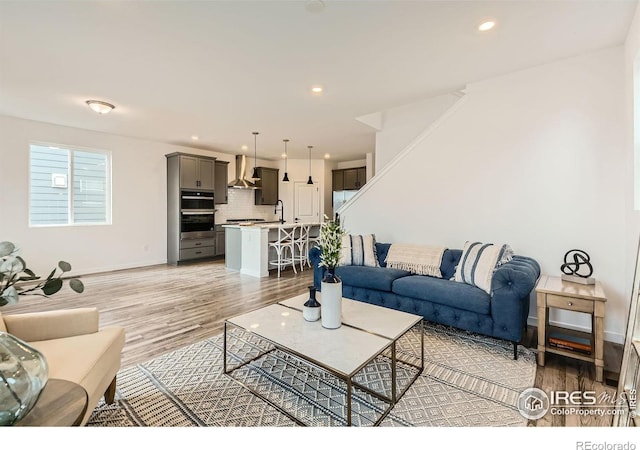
(268, 225)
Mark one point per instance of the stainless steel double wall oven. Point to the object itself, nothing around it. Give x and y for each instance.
(197, 215)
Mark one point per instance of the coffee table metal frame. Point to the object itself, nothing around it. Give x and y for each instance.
(347, 378)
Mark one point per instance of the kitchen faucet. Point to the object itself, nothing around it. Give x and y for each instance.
(281, 210)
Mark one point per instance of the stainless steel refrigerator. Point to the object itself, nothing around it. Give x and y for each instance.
(340, 197)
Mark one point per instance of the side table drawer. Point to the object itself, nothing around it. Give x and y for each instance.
(573, 304)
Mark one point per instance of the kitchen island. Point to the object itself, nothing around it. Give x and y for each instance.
(247, 246)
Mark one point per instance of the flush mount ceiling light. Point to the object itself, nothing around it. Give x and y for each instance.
(316, 89)
(486, 26)
(327, 156)
(99, 106)
(255, 175)
(194, 138)
(315, 6)
(244, 148)
(310, 181)
(285, 179)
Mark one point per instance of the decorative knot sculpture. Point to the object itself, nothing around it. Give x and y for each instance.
(577, 267)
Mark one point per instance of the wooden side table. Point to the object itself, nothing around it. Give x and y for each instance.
(553, 292)
(62, 403)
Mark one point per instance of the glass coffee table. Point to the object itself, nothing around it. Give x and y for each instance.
(361, 356)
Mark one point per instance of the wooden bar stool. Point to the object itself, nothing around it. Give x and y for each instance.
(285, 248)
(301, 241)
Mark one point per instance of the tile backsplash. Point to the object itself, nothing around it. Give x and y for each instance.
(241, 206)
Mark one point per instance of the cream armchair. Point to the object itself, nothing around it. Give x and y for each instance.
(75, 348)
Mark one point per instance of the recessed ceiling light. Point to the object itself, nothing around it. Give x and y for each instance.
(244, 147)
(194, 138)
(316, 89)
(99, 106)
(284, 155)
(486, 26)
(327, 156)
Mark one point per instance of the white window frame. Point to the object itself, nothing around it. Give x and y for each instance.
(108, 188)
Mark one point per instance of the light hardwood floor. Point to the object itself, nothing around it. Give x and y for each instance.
(165, 307)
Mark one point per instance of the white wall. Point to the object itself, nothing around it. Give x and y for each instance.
(632, 103)
(298, 170)
(351, 164)
(329, 167)
(632, 144)
(241, 202)
(137, 236)
(400, 125)
(535, 159)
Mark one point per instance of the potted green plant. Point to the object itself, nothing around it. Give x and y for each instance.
(330, 243)
(15, 277)
(23, 369)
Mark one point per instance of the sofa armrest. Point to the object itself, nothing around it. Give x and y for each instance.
(42, 326)
(518, 277)
(511, 288)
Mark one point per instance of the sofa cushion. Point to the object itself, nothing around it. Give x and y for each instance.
(379, 278)
(479, 261)
(358, 250)
(382, 249)
(450, 260)
(445, 292)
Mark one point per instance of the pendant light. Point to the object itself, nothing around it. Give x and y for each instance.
(255, 169)
(285, 179)
(310, 181)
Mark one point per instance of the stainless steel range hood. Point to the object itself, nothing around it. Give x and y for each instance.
(241, 181)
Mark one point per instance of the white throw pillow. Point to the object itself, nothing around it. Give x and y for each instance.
(358, 250)
(479, 261)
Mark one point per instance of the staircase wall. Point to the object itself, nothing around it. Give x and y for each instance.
(535, 159)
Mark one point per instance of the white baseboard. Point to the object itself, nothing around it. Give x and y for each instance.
(135, 265)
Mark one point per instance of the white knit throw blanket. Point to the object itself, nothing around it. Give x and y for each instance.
(418, 259)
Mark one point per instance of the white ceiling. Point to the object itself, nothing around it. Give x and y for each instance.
(223, 69)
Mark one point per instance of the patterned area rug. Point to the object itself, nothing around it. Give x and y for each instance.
(468, 380)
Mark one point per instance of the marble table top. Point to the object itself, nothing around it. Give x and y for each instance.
(367, 330)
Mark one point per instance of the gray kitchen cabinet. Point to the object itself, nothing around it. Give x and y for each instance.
(362, 176)
(221, 181)
(220, 242)
(188, 174)
(349, 179)
(338, 180)
(267, 194)
(197, 248)
(196, 172)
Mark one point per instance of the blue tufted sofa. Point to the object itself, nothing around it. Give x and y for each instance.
(503, 314)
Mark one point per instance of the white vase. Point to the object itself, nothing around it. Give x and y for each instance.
(331, 304)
